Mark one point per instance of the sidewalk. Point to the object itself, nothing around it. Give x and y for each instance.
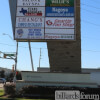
(1, 86)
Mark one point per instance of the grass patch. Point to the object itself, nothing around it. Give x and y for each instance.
(31, 99)
(1, 93)
(4, 98)
(21, 99)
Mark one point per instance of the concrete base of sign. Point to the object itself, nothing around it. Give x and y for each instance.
(55, 79)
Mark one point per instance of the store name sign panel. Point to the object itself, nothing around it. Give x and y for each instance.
(59, 11)
(60, 3)
(29, 3)
(43, 20)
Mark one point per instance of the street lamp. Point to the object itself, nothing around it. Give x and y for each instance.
(14, 79)
(8, 35)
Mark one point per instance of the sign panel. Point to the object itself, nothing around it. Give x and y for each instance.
(59, 31)
(60, 3)
(59, 11)
(30, 3)
(30, 11)
(10, 55)
(29, 33)
(59, 22)
(29, 22)
(59, 36)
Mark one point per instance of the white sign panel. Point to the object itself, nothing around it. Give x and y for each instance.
(59, 31)
(59, 36)
(29, 22)
(30, 11)
(59, 22)
(29, 33)
(30, 3)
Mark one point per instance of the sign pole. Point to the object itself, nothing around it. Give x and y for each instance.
(40, 58)
(31, 56)
(16, 63)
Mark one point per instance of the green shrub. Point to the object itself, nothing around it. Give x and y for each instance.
(36, 92)
(46, 92)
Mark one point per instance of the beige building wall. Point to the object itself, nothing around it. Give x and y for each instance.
(65, 56)
(56, 77)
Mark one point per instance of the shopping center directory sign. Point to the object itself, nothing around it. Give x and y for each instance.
(42, 20)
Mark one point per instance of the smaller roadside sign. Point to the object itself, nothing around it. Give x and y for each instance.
(59, 11)
(10, 55)
(29, 33)
(30, 3)
(68, 3)
(30, 11)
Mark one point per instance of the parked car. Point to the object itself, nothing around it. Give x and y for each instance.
(2, 80)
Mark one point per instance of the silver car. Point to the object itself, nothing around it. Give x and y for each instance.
(2, 80)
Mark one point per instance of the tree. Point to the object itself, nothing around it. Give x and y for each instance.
(11, 75)
(2, 74)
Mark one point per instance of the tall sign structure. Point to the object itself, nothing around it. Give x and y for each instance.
(65, 56)
(56, 22)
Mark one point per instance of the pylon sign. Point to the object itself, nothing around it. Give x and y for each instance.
(43, 20)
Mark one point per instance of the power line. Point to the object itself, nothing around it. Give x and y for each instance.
(90, 6)
(47, 48)
(20, 46)
(96, 1)
(91, 23)
(91, 38)
(91, 50)
(6, 44)
(90, 11)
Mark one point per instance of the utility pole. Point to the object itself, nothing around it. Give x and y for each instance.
(40, 58)
(0, 53)
(10, 57)
(16, 63)
(31, 56)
